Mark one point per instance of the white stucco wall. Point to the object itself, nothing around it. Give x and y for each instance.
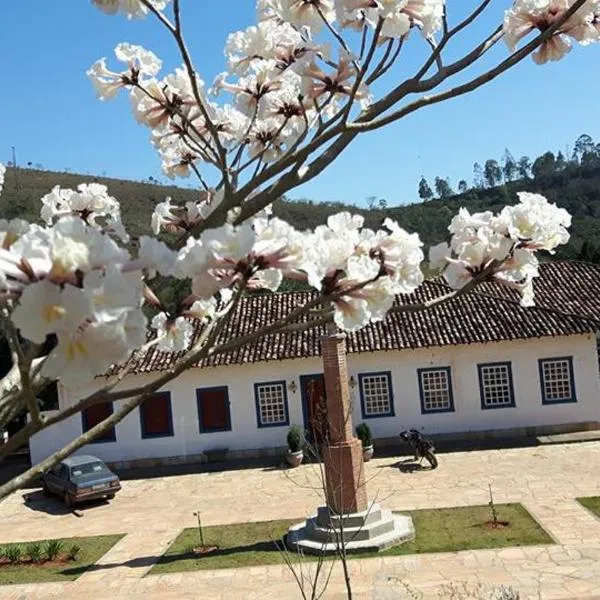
(245, 434)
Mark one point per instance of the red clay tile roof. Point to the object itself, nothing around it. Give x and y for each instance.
(567, 303)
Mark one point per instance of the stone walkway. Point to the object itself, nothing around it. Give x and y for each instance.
(152, 512)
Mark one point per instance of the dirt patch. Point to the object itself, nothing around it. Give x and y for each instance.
(203, 550)
(496, 524)
(61, 560)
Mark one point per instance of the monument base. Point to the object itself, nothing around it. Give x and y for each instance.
(370, 530)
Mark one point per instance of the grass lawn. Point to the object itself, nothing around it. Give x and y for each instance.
(438, 530)
(592, 504)
(92, 548)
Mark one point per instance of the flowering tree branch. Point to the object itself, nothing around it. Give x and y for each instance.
(299, 90)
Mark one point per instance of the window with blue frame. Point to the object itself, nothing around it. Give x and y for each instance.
(155, 416)
(271, 404)
(213, 409)
(557, 380)
(95, 414)
(376, 394)
(435, 389)
(496, 385)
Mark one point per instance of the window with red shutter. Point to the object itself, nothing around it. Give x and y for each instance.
(155, 416)
(95, 414)
(213, 409)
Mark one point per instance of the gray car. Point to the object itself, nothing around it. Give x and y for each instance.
(80, 478)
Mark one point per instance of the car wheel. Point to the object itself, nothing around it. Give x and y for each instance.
(110, 496)
(68, 500)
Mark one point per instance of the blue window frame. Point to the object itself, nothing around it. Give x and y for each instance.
(91, 416)
(496, 385)
(156, 418)
(271, 402)
(213, 409)
(435, 390)
(557, 380)
(376, 394)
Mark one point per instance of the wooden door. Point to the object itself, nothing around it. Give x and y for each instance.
(314, 404)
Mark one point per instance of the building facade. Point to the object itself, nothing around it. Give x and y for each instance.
(484, 366)
(502, 387)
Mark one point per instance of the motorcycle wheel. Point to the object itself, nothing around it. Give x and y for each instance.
(431, 459)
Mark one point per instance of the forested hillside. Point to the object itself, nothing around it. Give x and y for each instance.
(572, 183)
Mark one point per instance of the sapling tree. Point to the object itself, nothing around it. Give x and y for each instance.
(303, 82)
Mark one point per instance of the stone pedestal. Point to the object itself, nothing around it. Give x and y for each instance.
(347, 517)
(369, 530)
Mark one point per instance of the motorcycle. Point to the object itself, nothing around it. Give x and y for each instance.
(422, 447)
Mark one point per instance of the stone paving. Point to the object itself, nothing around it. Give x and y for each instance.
(152, 512)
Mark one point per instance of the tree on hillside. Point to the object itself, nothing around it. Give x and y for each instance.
(478, 181)
(371, 202)
(524, 167)
(301, 86)
(492, 173)
(462, 186)
(509, 166)
(544, 165)
(560, 162)
(425, 192)
(442, 188)
(583, 145)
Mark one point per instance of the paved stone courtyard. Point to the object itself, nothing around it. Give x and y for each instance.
(152, 512)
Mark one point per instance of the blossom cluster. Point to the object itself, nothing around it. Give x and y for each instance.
(133, 9)
(283, 78)
(504, 244)
(526, 16)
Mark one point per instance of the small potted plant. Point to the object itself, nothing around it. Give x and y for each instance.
(295, 441)
(363, 432)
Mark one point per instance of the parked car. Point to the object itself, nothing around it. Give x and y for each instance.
(80, 478)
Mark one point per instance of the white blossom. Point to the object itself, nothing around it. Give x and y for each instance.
(132, 9)
(174, 335)
(202, 309)
(163, 216)
(141, 63)
(46, 308)
(536, 223)
(156, 256)
(11, 231)
(526, 16)
(2, 172)
(308, 13)
(94, 347)
(438, 256)
(90, 202)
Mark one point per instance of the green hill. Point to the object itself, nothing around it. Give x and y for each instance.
(575, 187)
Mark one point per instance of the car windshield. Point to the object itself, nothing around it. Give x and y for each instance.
(88, 469)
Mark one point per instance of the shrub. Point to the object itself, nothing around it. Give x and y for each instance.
(363, 432)
(492, 505)
(13, 554)
(295, 438)
(34, 551)
(53, 549)
(73, 552)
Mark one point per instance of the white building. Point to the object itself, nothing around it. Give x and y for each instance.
(479, 365)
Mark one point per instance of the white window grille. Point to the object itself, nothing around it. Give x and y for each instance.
(272, 409)
(557, 380)
(496, 385)
(436, 392)
(376, 394)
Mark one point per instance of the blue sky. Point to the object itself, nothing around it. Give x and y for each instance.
(51, 116)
